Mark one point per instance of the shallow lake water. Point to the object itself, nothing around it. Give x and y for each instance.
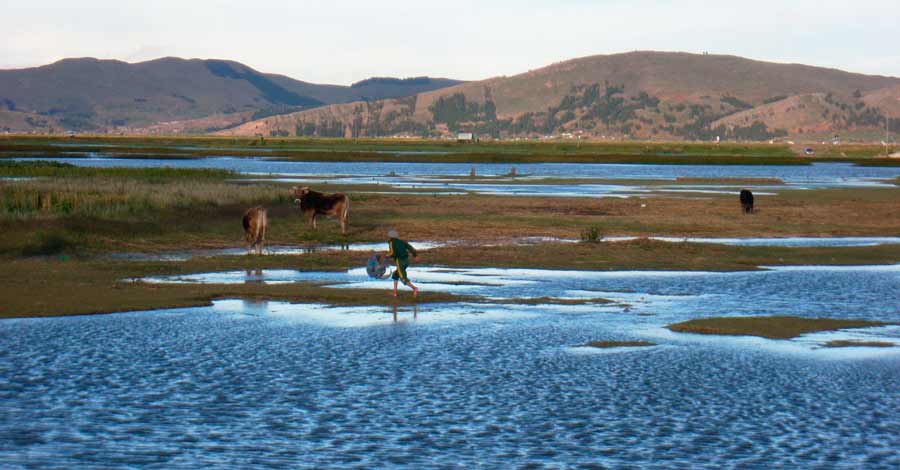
(244, 384)
(269, 250)
(796, 242)
(433, 177)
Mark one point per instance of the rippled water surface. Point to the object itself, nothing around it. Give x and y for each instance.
(475, 385)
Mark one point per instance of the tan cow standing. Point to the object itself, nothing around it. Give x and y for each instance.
(255, 221)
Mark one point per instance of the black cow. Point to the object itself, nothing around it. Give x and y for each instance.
(747, 201)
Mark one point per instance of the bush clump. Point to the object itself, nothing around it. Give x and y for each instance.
(591, 234)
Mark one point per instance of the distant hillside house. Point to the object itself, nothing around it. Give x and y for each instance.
(465, 137)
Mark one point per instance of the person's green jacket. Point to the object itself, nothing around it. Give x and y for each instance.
(399, 249)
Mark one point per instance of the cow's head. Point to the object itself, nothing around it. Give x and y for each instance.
(299, 192)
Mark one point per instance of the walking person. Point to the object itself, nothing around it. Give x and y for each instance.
(400, 250)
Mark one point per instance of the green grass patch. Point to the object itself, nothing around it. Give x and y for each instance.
(552, 301)
(619, 344)
(847, 343)
(729, 181)
(773, 327)
(323, 149)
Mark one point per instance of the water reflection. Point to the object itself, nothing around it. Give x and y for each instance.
(254, 276)
(395, 310)
(254, 306)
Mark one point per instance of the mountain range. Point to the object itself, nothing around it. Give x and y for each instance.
(637, 95)
(169, 95)
(641, 95)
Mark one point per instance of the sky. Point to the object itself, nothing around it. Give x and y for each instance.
(343, 41)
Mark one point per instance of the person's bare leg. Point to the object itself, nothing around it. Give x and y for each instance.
(414, 288)
(395, 288)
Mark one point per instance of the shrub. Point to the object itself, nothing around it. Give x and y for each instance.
(591, 234)
(48, 244)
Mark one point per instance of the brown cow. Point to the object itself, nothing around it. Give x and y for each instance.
(313, 203)
(255, 221)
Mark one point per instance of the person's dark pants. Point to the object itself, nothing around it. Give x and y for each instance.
(400, 272)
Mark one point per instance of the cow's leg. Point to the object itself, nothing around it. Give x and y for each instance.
(262, 239)
(345, 215)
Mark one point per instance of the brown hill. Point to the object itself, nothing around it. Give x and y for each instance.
(96, 95)
(638, 94)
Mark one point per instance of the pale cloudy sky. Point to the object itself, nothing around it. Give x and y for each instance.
(342, 41)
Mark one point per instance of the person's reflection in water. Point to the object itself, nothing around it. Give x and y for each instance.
(254, 276)
(255, 307)
(395, 310)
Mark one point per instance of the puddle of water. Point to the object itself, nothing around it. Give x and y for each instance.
(270, 250)
(796, 290)
(366, 317)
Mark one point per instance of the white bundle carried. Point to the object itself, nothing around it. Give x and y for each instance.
(376, 267)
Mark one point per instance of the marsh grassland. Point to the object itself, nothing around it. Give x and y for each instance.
(62, 223)
(414, 150)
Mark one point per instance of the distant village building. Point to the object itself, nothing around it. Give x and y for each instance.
(465, 137)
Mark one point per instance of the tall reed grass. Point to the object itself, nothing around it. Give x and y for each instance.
(51, 169)
(61, 191)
